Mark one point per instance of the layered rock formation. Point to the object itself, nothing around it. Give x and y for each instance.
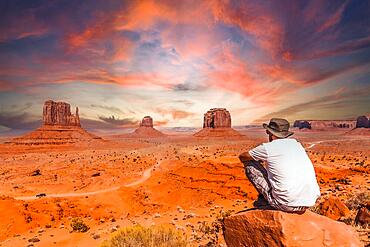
(59, 114)
(276, 228)
(146, 129)
(59, 126)
(363, 122)
(324, 124)
(217, 123)
(217, 118)
(147, 122)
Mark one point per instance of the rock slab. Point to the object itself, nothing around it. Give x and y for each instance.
(275, 228)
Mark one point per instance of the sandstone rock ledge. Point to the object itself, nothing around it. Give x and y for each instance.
(275, 228)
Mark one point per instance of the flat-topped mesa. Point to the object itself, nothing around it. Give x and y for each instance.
(147, 122)
(363, 122)
(217, 118)
(324, 124)
(59, 114)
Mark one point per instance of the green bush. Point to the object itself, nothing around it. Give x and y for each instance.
(139, 236)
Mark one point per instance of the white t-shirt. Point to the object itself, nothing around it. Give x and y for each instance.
(290, 172)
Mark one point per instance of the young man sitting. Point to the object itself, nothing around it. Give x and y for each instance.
(288, 183)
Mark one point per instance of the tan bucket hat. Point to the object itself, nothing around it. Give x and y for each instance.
(279, 127)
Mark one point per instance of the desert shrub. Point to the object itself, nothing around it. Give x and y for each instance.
(139, 236)
(78, 225)
(358, 199)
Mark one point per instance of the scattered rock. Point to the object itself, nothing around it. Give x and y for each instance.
(276, 228)
(40, 195)
(334, 208)
(36, 172)
(34, 240)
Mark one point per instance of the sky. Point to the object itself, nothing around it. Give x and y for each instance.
(119, 61)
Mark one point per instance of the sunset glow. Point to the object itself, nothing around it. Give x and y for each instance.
(173, 60)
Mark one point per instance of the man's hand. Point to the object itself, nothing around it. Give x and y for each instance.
(245, 157)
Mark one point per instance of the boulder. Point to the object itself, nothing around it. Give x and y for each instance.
(334, 208)
(59, 113)
(276, 228)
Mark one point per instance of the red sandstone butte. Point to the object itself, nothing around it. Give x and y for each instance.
(217, 123)
(147, 122)
(59, 113)
(59, 127)
(276, 228)
(146, 129)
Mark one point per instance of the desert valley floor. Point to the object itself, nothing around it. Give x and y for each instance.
(180, 180)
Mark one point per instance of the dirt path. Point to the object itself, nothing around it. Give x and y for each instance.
(145, 176)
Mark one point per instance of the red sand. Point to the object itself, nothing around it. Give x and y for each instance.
(130, 180)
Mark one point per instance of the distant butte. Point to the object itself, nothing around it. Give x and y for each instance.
(324, 124)
(146, 129)
(217, 123)
(59, 126)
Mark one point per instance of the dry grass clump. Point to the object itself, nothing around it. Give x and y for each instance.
(78, 225)
(357, 200)
(139, 236)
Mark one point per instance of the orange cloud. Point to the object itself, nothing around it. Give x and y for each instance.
(176, 114)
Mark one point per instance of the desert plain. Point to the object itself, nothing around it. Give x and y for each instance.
(177, 179)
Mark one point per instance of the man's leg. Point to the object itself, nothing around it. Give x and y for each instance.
(257, 175)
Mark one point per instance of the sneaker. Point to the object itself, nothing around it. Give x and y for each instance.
(260, 202)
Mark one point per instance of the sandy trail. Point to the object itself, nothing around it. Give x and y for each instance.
(145, 176)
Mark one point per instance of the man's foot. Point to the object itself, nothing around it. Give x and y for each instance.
(261, 202)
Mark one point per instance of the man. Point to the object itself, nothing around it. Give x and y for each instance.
(288, 183)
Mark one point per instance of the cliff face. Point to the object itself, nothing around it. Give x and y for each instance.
(217, 118)
(217, 123)
(147, 122)
(59, 113)
(363, 122)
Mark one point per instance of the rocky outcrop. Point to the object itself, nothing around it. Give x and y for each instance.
(302, 124)
(59, 127)
(146, 130)
(324, 124)
(363, 122)
(217, 118)
(217, 123)
(147, 122)
(275, 228)
(59, 113)
(334, 208)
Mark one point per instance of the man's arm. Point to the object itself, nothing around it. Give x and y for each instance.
(245, 157)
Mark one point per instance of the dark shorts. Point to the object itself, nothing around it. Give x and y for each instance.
(257, 175)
